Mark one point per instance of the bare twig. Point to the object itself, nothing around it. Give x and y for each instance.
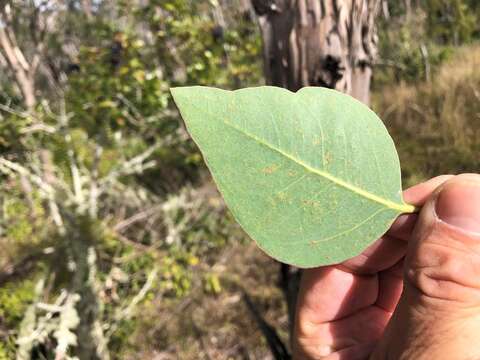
(22, 114)
(128, 311)
(135, 165)
(27, 327)
(138, 116)
(94, 192)
(7, 166)
(142, 215)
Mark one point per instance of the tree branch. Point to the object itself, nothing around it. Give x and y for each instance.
(18, 65)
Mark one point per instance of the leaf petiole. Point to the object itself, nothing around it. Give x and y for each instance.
(411, 209)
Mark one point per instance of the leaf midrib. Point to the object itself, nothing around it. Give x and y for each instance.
(402, 208)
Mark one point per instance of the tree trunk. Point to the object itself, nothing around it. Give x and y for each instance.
(87, 9)
(330, 43)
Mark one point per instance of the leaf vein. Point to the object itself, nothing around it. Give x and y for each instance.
(363, 193)
(314, 242)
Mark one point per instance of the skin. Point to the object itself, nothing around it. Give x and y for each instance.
(413, 294)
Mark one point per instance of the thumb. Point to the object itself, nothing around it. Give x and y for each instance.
(443, 259)
(438, 315)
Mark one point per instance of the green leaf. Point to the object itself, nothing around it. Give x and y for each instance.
(313, 177)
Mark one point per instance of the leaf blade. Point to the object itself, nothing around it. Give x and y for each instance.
(227, 125)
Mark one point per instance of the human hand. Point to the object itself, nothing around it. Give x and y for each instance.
(357, 309)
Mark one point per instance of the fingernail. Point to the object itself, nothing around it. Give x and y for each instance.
(458, 204)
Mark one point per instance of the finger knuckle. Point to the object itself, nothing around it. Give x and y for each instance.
(445, 272)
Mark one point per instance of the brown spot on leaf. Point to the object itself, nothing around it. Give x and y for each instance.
(312, 203)
(328, 158)
(270, 169)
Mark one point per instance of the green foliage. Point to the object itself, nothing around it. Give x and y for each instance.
(106, 99)
(7, 350)
(212, 284)
(22, 224)
(414, 44)
(452, 21)
(196, 49)
(176, 279)
(20, 227)
(407, 54)
(14, 299)
(307, 160)
(10, 133)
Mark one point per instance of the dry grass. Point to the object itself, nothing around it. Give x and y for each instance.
(436, 125)
(217, 326)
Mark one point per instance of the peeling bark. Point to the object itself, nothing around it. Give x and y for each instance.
(330, 43)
